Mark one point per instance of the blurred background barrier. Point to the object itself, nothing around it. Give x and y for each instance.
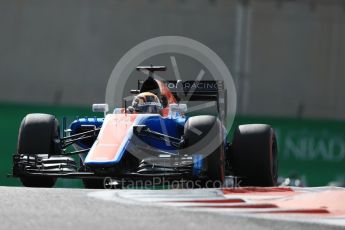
(312, 151)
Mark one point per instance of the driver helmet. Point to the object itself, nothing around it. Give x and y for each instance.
(146, 103)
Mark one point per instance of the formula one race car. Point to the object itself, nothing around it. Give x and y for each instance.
(152, 138)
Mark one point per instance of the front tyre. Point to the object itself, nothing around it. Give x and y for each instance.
(37, 135)
(93, 183)
(204, 135)
(90, 183)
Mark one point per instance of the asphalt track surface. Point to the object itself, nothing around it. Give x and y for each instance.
(42, 209)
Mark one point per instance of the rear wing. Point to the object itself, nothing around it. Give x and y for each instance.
(152, 68)
(195, 90)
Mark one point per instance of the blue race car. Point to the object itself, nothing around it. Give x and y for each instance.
(154, 139)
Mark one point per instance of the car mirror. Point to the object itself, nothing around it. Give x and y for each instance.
(100, 108)
(177, 108)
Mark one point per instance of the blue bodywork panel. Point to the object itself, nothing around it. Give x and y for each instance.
(169, 126)
(77, 125)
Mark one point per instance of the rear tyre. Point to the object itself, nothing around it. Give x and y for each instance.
(255, 155)
(203, 135)
(36, 136)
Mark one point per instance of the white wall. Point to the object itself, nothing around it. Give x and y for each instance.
(297, 60)
(63, 51)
